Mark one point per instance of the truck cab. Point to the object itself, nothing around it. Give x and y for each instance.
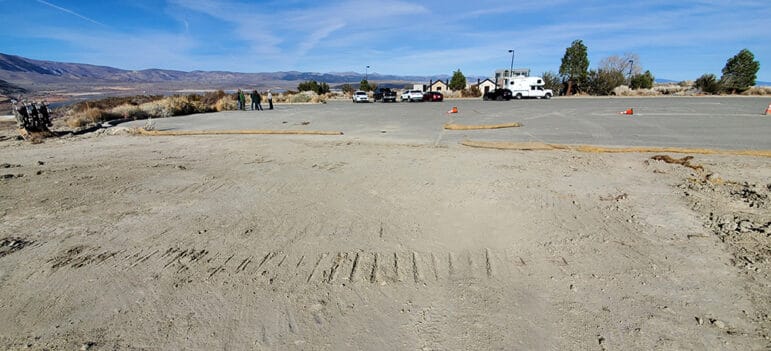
(527, 87)
(384, 94)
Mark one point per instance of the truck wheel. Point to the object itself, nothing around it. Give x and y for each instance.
(547, 96)
(518, 96)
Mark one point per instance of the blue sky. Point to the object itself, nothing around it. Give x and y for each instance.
(674, 39)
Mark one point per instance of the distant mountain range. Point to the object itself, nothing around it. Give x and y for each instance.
(21, 74)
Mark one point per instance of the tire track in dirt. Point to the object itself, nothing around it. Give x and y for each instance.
(357, 267)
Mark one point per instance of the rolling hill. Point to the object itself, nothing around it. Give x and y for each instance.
(42, 76)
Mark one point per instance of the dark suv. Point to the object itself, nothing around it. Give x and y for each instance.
(497, 95)
(384, 94)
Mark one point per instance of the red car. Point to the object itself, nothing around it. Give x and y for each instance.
(433, 96)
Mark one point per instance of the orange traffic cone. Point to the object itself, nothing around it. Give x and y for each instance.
(768, 110)
(455, 110)
(627, 112)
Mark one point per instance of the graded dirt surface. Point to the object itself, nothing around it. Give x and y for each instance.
(129, 242)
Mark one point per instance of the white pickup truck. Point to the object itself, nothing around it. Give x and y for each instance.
(527, 87)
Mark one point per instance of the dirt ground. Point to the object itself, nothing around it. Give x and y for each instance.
(321, 243)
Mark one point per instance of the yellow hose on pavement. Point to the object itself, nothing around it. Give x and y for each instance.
(452, 126)
(601, 149)
(230, 132)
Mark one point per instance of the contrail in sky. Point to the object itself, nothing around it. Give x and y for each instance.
(71, 12)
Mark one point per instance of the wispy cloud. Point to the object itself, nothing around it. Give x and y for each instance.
(677, 40)
(71, 12)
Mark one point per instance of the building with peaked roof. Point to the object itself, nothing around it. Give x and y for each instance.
(439, 86)
(485, 86)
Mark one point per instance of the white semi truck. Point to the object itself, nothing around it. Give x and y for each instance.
(527, 87)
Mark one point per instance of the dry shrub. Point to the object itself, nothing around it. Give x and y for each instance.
(112, 102)
(211, 98)
(303, 97)
(130, 111)
(154, 109)
(85, 117)
(281, 98)
(226, 103)
(473, 91)
(320, 99)
(671, 89)
(181, 105)
(758, 91)
(622, 90)
(646, 92)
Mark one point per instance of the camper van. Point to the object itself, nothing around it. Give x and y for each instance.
(527, 87)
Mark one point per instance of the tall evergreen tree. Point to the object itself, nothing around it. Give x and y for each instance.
(575, 65)
(740, 72)
(364, 85)
(458, 81)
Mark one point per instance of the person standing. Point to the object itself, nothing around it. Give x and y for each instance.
(241, 100)
(270, 100)
(256, 103)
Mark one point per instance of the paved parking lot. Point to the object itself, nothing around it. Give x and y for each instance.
(705, 122)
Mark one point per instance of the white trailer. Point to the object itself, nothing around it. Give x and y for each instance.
(527, 87)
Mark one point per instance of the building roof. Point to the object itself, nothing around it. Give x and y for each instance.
(485, 80)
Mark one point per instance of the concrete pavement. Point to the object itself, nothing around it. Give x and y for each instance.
(704, 122)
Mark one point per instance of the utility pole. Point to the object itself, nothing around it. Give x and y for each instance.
(511, 68)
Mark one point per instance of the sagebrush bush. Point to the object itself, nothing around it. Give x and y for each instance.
(130, 111)
(303, 97)
(85, 117)
(671, 89)
(622, 90)
(226, 103)
(156, 106)
(112, 102)
(181, 105)
(473, 91)
(154, 109)
(757, 91)
(708, 83)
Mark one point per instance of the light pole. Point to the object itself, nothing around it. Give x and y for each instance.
(631, 64)
(511, 68)
(366, 73)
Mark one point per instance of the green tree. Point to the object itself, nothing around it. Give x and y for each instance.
(310, 85)
(575, 65)
(642, 81)
(314, 86)
(323, 88)
(708, 83)
(458, 81)
(552, 81)
(740, 72)
(367, 86)
(602, 82)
